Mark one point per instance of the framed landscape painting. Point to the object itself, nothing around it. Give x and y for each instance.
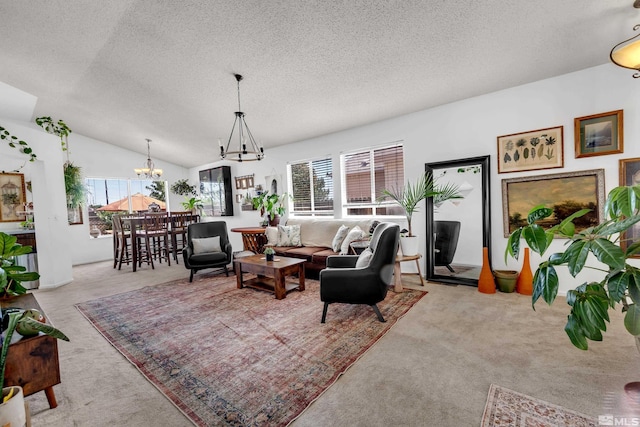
(629, 170)
(599, 134)
(536, 149)
(565, 193)
(12, 197)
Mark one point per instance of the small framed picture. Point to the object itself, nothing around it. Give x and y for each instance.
(599, 134)
(526, 151)
(12, 197)
(629, 170)
(238, 198)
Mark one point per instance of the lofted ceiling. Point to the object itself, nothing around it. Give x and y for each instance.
(121, 71)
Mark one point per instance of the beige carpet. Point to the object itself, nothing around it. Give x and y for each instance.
(509, 408)
(433, 368)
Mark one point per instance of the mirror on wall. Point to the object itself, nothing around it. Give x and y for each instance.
(460, 227)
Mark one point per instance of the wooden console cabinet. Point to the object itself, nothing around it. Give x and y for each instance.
(32, 363)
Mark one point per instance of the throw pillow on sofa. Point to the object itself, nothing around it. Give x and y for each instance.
(208, 244)
(355, 233)
(339, 238)
(289, 235)
(272, 236)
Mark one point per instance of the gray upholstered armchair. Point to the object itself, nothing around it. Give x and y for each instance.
(207, 247)
(364, 278)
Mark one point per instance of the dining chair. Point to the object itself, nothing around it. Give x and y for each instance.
(178, 231)
(155, 236)
(121, 243)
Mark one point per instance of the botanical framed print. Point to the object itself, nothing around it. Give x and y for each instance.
(12, 197)
(599, 134)
(565, 193)
(629, 170)
(526, 151)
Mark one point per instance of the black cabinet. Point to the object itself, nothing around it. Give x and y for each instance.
(215, 190)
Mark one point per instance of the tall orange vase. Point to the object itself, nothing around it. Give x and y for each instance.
(486, 281)
(524, 285)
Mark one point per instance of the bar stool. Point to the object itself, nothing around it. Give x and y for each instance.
(179, 223)
(121, 243)
(155, 235)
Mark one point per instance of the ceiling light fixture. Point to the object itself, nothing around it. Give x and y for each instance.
(245, 138)
(149, 171)
(627, 53)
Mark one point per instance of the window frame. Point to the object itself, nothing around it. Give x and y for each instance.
(327, 213)
(374, 205)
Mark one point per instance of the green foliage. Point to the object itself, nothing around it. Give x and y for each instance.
(60, 129)
(12, 275)
(272, 204)
(15, 318)
(19, 144)
(269, 251)
(192, 203)
(107, 217)
(590, 302)
(410, 195)
(182, 188)
(73, 185)
(157, 190)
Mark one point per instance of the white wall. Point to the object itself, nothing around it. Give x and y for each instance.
(469, 128)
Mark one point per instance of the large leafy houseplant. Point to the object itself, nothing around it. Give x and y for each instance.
(12, 275)
(411, 194)
(590, 302)
(270, 204)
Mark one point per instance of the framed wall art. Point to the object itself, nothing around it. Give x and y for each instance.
(629, 170)
(12, 197)
(599, 134)
(565, 193)
(526, 151)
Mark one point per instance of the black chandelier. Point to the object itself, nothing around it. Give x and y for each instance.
(247, 146)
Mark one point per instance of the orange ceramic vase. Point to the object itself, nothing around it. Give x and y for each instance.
(486, 281)
(524, 285)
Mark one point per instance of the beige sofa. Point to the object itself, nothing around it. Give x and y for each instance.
(316, 237)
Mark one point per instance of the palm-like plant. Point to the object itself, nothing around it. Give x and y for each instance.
(591, 301)
(410, 195)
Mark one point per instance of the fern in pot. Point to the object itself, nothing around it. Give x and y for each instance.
(408, 198)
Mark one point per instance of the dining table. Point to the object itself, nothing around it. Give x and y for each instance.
(136, 223)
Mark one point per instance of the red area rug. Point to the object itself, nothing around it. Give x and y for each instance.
(228, 356)
(509, 408)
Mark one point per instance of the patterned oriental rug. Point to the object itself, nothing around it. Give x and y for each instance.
(228, 356)
(509, 408)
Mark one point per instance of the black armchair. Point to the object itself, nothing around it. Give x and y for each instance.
(364, 278)
(204, 249)
(446, 235)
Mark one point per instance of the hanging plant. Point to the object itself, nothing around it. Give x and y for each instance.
(14, 142)
(182, 188)
(73, 185)
(60, 129)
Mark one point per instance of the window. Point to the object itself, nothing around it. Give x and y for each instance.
(109, 196)
(365, 174)
(312, 187)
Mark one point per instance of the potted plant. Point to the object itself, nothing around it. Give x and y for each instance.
(182, 188)
(269, 253)
(271, 205)
(192, 204)
(12, 275)
(590, 302)
(408, 198)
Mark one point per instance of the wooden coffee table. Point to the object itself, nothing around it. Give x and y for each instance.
(271, 274)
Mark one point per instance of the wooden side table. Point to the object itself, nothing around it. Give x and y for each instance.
(397, 273)
(32, 362)
(253, 238)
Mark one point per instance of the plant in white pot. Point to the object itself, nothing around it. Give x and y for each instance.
(409, 196)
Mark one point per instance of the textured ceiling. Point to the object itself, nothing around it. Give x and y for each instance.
(121, 71)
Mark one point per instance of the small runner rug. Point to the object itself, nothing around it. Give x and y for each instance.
(228, 356)
(509, 408)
